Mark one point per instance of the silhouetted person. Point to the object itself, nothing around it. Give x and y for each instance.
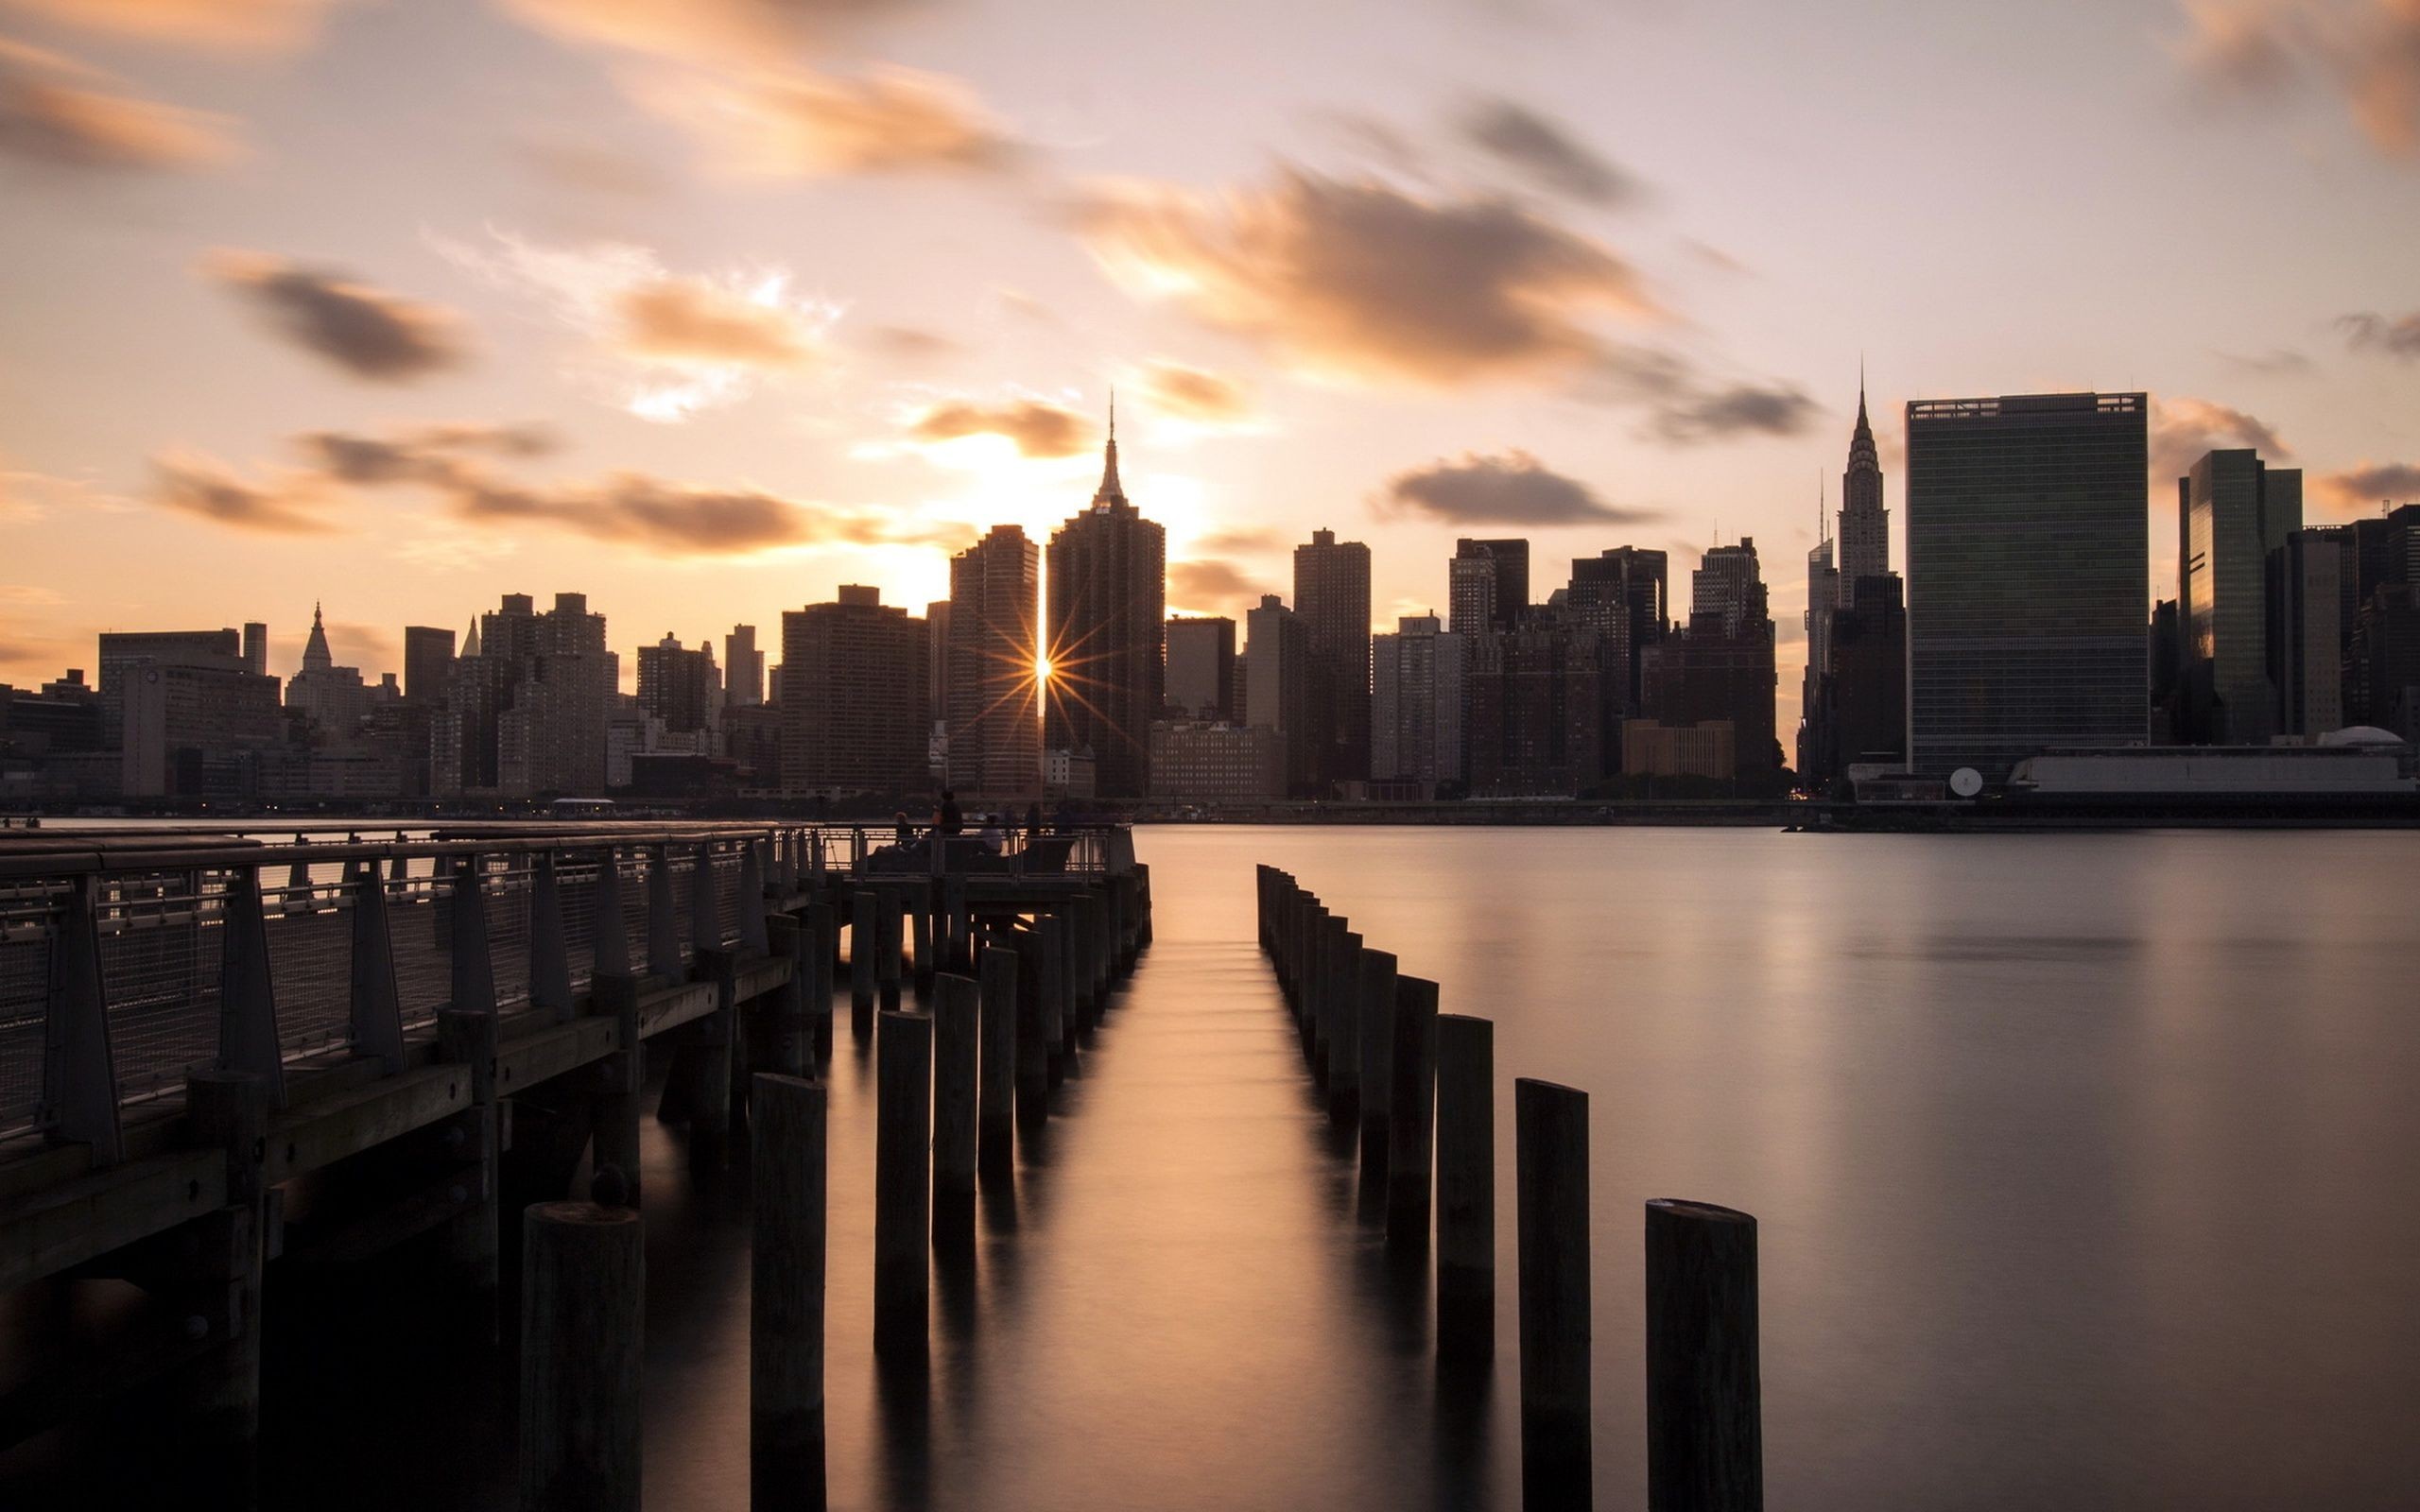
(1033, 818)
(951, 822)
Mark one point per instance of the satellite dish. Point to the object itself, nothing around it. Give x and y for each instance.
(1965, 782)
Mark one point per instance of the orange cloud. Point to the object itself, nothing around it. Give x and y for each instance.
(2183, 429)
(50, 116)
(193, 484)
(239, 24)
(2365, 51)
(1195, 393)
(2358, 489)
(367, 332)
(1211, 584)
(718, 29)
(1038, 429)
(797, 123)
(678, 319)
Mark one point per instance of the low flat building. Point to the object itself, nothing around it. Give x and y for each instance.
(1209, 762)
(1706, 749)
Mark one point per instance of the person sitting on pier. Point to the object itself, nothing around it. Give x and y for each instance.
(950, 821)
(992, 834)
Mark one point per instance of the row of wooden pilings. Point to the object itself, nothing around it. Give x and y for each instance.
(1421, 1087)
(1004, 1003)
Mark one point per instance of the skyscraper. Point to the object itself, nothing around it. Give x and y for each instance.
(674, 685)
(1202, 668)
(428, 662)
(1278, 683)
(1533, 728)
(256, 648)
(1332, 596)
(1822, 596)
(2027, 560)
(526, 710)
(853, 717)
(743, 669)
(1721, 666)
(1108, 614)
(1417, 693)
(1854, 694)
(1865, 525)
(2306, 645)
(994, 721)
(2232, 511)
(1486, 585)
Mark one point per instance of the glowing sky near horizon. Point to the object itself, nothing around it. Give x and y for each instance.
(703, 308)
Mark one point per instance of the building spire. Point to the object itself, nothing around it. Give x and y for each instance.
(1111, 491)
(316, 656)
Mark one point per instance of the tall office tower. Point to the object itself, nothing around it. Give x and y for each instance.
(676, 684)
(1278, 683)
(2306, 645)
(2027, 560)
(1416, 699)
(936, 669)
(1332, 596)
(428, 662)
(853, 717)
(1865, 525)
(526, 710)
(1823, 601)
(743, 669)
(1865, 710)
(1533, 728)
(1201, 669)
(1492, 591)
(1108, 612)
(1722, 667)
(1624, 589)
(2382, 659)
(993, 710)
(256, 648)
(2232, 511)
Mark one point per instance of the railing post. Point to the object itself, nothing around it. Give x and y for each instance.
(662, 921)
(752, 938)
(786, 1301)
(549, 952)
(79, 1077)
(248, 1037)
(377, 1009)
(473, 970)
(298, 883)
(610, 937)
(1704, 1418)
(1550, 1156)
(705, 915)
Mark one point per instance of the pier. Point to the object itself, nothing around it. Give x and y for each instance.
(225, 1060)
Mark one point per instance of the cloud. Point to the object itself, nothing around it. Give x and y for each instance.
(2183, 429)
(190, 483)
(452, 466)
(2365, 52)
(1241, 539)
(2277, 362)
(2399, 337)
(1038, 429)
(909, 343)
(707, 29)
(234, 24)
(664, 346)
(1362, 280)
(1504, 488)
(366, 331)
(2357, 489)
(1545, 150)
(797, 123)
(1195, 394)
(1210, 584)
(51, 115)
(1684, 405)
(596, 170)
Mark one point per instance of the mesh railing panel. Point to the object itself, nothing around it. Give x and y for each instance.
(26, 916)
(576, 882)
(309, 931)
(161, 953)
(420, 924)
(507, 882)
(727, 894)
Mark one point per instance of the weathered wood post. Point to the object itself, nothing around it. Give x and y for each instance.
(229, 1110)
(865, 946)
(1410, 1106)
(901, 1217)
(888, 922)
(1056, 1033)
(622, 1091)
(583, 1293)
(995, 1102)
(823, 929)
(786, 1301)
(1033, 1033)
(787, 1018)
(663, 918)
(956, 1020)
(1704, 1417)
(1550, 1152)
(1375, 1040)
(708, 1058)
(1344, 1033)
(961, 922)
(472, 1249)
(1465, 1186)
(919, 896)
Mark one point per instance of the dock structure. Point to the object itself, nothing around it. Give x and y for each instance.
(194, 1024)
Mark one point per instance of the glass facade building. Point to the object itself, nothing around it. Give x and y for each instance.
(2234, 512)
(2028, 564)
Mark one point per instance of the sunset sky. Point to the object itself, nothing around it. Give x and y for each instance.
(703, 307)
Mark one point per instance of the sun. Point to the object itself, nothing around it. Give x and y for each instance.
(1042, 669)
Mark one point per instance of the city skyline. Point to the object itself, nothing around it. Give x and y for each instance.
(586, 362)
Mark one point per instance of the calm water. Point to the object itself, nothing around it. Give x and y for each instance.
(2083, 1163)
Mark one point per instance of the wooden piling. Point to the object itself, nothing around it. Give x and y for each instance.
(1551, 1185)
(957, 1021)
(921, 897)
(1344, 1032)
(996, 1074)
(1410, 1106)
(888, 922)
(903, 1139)
(1033, 1037)
(708, 1058)
(1377, 1043)
(1465, 1186)
(1704, 1417)
(473, 1247)
(823, 930)
(583, 1291)
(786, 1301)
(622, 1093)
(1055, 1033)
(786, 936)
(228, 1110)
(865, 945)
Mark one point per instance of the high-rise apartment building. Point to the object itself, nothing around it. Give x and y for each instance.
(1534, 728)
(1417, 694)
(1278, 685)
(2233, 511)
(1486, 585)
(527, 712)
(428, 663)
(854, 716)
(2028, 554)
(743, 669)
(994, 711)
(1108, 612)
(1721, 666)
(1332, 598)
(1201, 669)
(677, 684)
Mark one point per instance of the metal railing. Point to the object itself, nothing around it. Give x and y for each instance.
(131, 959)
